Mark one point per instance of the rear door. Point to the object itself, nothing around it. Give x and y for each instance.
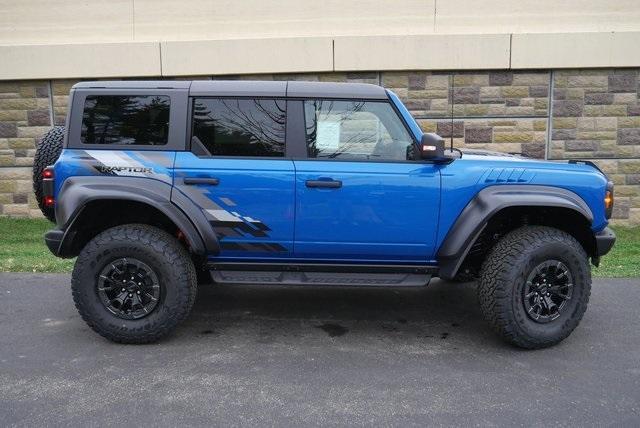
(360, 196)
(236, 172)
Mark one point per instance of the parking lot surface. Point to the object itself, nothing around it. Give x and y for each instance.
(282, 356)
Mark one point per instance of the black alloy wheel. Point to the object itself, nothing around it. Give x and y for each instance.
(128, 288)
(547, 290)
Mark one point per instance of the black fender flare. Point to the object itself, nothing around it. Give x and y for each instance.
(475, 216)
(78, 191)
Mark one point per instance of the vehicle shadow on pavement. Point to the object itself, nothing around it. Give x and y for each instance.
(440, 311)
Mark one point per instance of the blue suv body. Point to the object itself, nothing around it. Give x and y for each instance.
(309, 183)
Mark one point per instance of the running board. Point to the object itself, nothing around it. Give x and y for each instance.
(237, 277)
(321, 267)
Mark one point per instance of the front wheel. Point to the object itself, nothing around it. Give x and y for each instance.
(534, 286)
(133, 283)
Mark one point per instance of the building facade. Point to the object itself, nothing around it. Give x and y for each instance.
(550, 81)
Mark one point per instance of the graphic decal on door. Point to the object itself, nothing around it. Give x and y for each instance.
(229, 224)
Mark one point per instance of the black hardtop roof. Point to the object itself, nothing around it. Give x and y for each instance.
(249, 88)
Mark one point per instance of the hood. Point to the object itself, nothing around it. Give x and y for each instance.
(479, 152)
(494, 156)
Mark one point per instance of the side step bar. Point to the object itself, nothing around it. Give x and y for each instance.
(228, 277)
(321, 274)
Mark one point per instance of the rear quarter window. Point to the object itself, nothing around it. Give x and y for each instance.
(125, 120)
(240, 127)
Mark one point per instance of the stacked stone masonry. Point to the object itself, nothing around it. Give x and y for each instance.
(558, 115)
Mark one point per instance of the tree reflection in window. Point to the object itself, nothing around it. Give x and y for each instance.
(367, 130)
(128, 120)
(240, 127)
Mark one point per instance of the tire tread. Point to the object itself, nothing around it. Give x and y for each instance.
(495, 283)
(174, 254)
(47, 153)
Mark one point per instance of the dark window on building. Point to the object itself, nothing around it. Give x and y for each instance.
(355, 130)
(240, 127)
(127, 120)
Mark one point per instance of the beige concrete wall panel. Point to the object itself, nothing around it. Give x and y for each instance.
(212, 57)
(65, 21)
(536, 16)
(437, 52)
(75, 60)
(575, 50)
(232, 19)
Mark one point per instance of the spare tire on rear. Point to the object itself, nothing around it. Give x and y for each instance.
(47, 154)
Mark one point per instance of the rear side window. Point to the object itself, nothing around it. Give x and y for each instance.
(355, 130)
(240, 127)
(127, 120)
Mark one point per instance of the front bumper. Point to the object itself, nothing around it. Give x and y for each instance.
(604, 241)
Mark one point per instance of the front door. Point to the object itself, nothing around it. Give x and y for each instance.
(359, 196)
(237, 173)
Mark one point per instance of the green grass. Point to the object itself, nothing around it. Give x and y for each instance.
(624, 259)
(22, 249)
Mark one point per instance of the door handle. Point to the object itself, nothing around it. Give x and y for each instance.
(330, 184)
(201, 180)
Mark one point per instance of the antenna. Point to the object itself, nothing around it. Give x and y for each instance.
(453, 86)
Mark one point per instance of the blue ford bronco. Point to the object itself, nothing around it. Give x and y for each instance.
(157, 186)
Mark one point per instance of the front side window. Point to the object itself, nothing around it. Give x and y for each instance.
(358, 130)
(240, 127)
(127, 120)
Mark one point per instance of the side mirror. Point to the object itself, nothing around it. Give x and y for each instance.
(432, 147)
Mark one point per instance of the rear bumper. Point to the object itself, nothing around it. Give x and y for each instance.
(604, 241)
(53, 239)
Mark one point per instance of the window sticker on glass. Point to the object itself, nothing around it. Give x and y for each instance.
(328, 135)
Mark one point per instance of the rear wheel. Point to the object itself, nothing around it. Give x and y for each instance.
(534, 286)
(133, 283)
(47, 153)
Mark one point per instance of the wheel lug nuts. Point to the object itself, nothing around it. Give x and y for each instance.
(138, 292)
(123, 289)
(130, 295)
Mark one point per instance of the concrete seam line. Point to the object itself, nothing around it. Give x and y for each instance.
(510, 48)
(435, 12)
(333, 55)
(133, 19)
(160, 53)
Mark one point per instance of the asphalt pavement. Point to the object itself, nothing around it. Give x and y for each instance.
(278, 356)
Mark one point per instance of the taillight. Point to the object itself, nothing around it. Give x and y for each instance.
(608, 200)
(47, 187)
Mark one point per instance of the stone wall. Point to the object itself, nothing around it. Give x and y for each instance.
(596, 115)
(25, 115)
(560, 114)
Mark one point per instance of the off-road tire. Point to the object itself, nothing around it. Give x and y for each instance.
(47, 153)
(503, 276)
(162, 253)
